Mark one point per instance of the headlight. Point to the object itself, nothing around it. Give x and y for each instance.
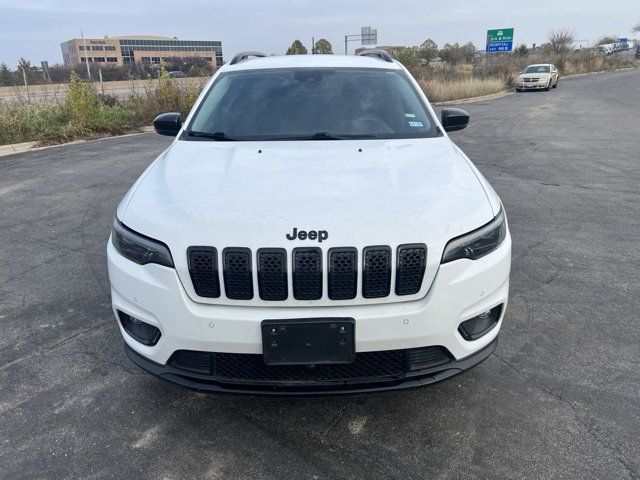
(138, 248)
(478, 243)
(520, 78)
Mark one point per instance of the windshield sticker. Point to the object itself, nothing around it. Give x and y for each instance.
(410, 115)
(416, 124)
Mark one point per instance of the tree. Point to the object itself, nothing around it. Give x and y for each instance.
(409, 60)
(428, 49)
(6, 76)
(458, 54)
(297, 48)
(323, 47)
(561, 40)
(606, 40)
(31, 73)
(522, 50)
(467, 52)
(636, 28)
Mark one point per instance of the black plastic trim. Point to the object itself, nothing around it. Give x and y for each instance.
(366, 275)
(378, 53)
(227, 278)
(469, 336)
(411, 380)
(297, 294)
(215, 272)
(285, 274)
(242, 56)
(400, 271)
(331, 281)
(125, 317)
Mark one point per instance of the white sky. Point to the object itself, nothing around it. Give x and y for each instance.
(35, 28)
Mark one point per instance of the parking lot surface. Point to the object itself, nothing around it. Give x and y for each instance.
(558, 399)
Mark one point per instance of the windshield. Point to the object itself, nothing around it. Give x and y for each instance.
(311, 104)
(537, 69)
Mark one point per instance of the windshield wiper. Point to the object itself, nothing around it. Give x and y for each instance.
(219, 136)
(323, 136)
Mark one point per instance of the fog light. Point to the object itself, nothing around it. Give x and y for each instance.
(476, 327)
(142, 332)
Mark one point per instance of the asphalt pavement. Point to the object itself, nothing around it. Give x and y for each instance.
(558, 399)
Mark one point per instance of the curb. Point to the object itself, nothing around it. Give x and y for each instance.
(6, 150)
(15, 148)
(599, 73)
(491, 96)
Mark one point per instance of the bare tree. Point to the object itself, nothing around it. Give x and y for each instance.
(636, 28)
(561, 40)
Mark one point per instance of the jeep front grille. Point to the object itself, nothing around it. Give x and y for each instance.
(307, 276)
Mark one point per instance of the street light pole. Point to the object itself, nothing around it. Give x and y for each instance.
(86, 57)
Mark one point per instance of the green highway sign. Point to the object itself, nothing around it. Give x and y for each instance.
(500, 40)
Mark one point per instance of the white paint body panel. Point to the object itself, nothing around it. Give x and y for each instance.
(364, 192)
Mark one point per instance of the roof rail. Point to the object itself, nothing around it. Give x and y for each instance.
(376, 52)
(242, 56)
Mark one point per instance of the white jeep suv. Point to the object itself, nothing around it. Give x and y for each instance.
(311, 229)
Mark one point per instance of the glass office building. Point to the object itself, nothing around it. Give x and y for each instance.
(143, 49)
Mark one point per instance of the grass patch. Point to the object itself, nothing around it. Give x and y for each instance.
(440, 90)
(87, 114)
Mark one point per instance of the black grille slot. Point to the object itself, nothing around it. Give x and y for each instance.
(238, 281)
(192, 361)
(428, 357)
(376, 272)
(307, 273)
(203, 268)
(411, 264)
(272, 274)
(368, 366)
(343, 273)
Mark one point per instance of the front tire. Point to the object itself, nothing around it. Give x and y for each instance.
(555, 85)
(548, 86)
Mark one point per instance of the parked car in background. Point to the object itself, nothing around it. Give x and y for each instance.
(606, 49)
(535, 77)
(177, 74)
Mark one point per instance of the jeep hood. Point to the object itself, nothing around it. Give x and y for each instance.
(251, 194)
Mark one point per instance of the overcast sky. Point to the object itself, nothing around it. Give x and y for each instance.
(34, 29)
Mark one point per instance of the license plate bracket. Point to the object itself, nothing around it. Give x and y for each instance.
(308, 341)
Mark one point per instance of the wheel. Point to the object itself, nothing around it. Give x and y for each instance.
(518, 89)
(548, 87)
(555, 85)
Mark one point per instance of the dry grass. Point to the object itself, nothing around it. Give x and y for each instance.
(440, 90)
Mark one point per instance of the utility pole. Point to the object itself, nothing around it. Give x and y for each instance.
(86, 57)
(313, 45)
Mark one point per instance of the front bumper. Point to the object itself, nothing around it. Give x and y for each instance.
(211, 384)
(461, 290)
(531, 86)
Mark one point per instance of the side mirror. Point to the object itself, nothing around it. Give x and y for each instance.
(454, 119)
(168, 124)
